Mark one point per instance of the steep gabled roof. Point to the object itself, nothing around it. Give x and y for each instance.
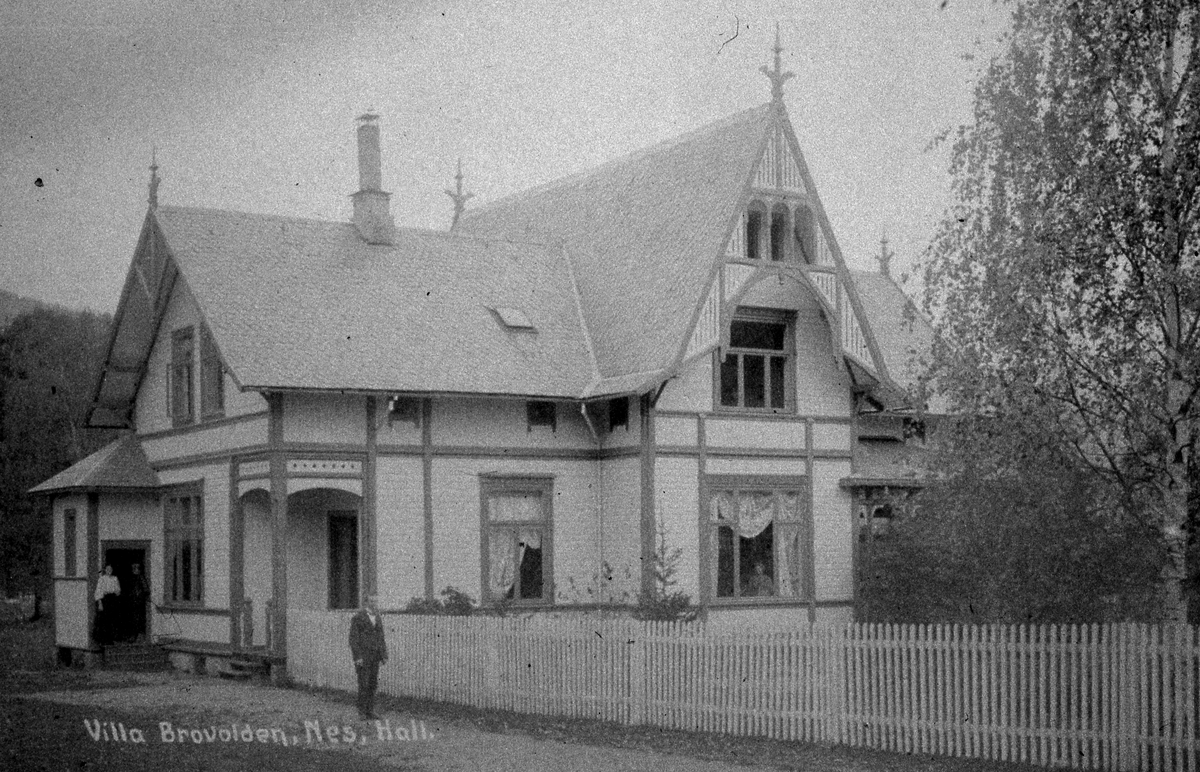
(643, 233)
(119, 466)
(904, 335)
(306, 304)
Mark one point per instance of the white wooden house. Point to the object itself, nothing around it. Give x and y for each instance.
(519, 407)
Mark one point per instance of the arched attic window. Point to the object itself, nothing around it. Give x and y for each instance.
(757, 231)
(780, 217)
(805, 234)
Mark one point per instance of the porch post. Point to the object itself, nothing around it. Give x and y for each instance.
(648, 530)
(366, 518)
(278, 471)
(237, 590)
(93, 561)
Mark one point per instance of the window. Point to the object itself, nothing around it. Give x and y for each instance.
(805, 235)
(70, 551)
(184, 545)
(406, 409)
(756, 373)
(618, 413)
(754, 229)
(517, 539)
(540, 413)
(182, 395)
(759, 537)
(212, 377)
(779, 231)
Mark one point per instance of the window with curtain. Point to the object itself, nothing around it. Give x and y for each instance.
(183, 545)
(517, 539)
(759, 538)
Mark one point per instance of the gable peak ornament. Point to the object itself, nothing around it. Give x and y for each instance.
(458, 196)
(777, 76)
(154, 179)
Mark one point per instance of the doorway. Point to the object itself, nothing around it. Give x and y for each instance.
(343, 559)
(130, 561)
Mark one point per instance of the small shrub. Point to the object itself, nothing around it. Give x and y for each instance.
(454, 603)
(665, 604)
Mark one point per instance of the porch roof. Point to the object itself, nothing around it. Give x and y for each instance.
(119, 466)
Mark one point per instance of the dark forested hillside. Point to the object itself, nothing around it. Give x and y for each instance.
(48, 362)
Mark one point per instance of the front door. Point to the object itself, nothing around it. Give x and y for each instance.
(343, 559)
(130, 561)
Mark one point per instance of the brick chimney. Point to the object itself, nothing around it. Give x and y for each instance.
(372, 208)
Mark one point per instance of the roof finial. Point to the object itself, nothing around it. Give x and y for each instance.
(458, 196)
(777, 76)
(885, 255)
(154, 180)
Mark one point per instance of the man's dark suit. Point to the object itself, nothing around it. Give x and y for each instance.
(369, 651)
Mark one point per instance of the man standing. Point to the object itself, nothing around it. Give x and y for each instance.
(369, 651)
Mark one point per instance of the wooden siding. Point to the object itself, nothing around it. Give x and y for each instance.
(755, 466)
(619, 523)
(78, 502)
(219, 437)
(833, 536)
(400, 530)
(677, 506)
(822, 383)
(151, 414)
(748, 433)
(216, 529)
(456, 557)
(71, 600)
(324, 418)
(675, 430)
(478, 422)
(831, 436)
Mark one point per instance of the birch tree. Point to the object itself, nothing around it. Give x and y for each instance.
(1064, 282)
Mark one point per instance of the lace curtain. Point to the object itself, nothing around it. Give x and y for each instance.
(748, 513)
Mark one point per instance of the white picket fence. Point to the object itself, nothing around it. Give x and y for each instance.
(1082, 696)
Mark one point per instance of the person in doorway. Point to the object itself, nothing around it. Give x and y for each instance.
(137, 595)
(108, 590)
(369, 650)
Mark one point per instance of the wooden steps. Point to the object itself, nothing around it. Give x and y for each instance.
(135, 656)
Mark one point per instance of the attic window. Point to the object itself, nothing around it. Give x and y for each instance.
(404, 409)
(618, 413)
(541, 413)
(513, 318)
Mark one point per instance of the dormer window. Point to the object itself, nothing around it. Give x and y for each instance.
(182, 390)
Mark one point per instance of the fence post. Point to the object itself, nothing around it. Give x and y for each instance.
(637, 671)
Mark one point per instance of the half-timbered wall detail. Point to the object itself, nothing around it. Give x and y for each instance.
(777, 169)
(707, 331)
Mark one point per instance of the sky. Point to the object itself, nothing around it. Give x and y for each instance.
(251, 106)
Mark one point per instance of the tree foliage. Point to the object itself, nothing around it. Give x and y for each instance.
(1020, 531)
(48, 363)
(1065, 283)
